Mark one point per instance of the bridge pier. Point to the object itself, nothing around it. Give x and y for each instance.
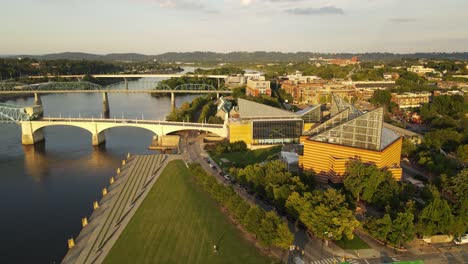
(37, 99)
(29, 136)
(98, 139)
(173, 105)
(105, 105)
(126, 83)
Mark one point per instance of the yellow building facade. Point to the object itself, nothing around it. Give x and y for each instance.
(328, 161)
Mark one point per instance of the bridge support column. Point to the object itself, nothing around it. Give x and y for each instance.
(126, 83)
(29, 136)
(173, 105)
(37, 99)
(98, 139)
(105, 105)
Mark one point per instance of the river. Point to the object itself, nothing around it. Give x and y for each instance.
(46, 189)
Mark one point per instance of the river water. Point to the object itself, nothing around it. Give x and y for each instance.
(46, 189)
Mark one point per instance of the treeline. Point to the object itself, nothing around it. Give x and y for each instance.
(226, 147)
(399, 219)
(176, 81)
(201, 109)
(15, 68)
(267, 227)
(227, 70)
(239, 56)
(295, 196)
(447, 118)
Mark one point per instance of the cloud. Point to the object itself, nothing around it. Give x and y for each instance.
(326, 10)
(194, 5)
(402, 20)
(246, 2)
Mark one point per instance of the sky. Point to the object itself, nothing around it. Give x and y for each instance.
(158, 26)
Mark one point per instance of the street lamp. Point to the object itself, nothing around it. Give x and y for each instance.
(329, 235)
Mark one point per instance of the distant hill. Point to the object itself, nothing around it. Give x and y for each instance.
(258, 56)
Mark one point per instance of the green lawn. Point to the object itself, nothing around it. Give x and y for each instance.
(242, 159)
(179, 223)
(355, 243)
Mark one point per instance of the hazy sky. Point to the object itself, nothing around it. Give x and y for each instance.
(157, 26)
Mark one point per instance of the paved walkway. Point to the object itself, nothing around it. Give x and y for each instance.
(117, 208)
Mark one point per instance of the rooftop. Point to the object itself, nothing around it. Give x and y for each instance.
(251, 110)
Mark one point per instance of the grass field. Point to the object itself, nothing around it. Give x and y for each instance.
(179, 223)
(242, 159)
(355, 243)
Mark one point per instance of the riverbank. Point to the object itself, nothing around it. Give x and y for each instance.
(111, 214)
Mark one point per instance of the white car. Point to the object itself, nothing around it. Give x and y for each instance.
(461, 240)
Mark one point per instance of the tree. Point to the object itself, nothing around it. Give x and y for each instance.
(462, 153)
(294, 204)
(381, 98)
(253, 218)
(402, 228)
(326, 215)
(362, 180)
(267, 231)
(407, 147)
(436, 217)
(380, 228)
(284, 238)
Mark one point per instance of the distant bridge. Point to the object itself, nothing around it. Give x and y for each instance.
(125, 75)
(87, 87)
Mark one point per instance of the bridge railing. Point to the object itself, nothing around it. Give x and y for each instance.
(130, 121)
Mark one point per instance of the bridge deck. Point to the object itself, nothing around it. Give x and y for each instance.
(128, 189)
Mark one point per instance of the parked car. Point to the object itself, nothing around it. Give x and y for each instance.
(227, 177)
(461, 240)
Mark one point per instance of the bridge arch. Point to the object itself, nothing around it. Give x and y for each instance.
(32, 132)
(218, 131)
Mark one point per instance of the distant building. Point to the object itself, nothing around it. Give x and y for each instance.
(391, 76)
(254, 76)
(235, 80)
(343, 62)
(449, 93)
(299, 78)
(420, 70)
(258, 87)
(349, 134)
(315, 91)
(450, 85)
(411, 100)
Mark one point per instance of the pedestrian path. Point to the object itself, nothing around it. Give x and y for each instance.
(129, 186)
(335, 260)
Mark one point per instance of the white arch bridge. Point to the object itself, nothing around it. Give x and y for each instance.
(29, 118)
(32, 130)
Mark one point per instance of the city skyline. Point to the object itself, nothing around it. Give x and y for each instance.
(158, 26)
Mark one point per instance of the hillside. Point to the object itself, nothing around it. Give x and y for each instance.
(257, 57)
